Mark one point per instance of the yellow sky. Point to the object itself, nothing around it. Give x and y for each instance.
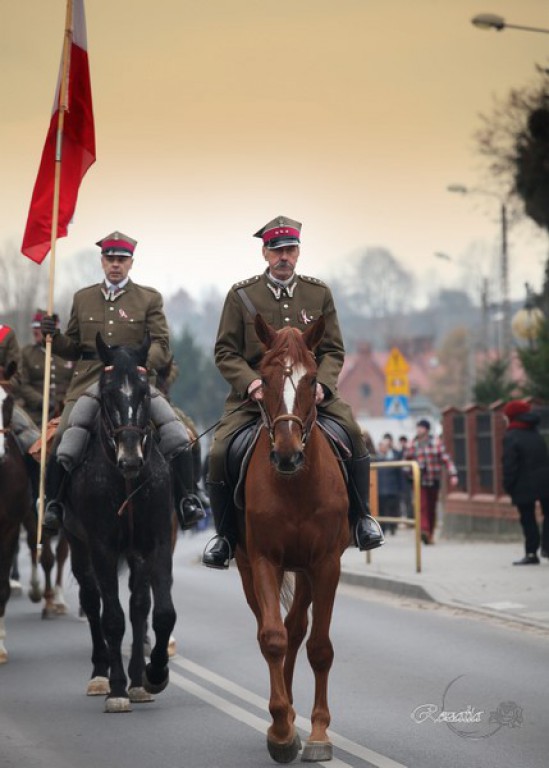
(211, 118)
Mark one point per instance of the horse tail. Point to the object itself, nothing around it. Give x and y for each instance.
(287, 589)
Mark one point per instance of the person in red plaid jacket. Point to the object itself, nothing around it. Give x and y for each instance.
(431, 455)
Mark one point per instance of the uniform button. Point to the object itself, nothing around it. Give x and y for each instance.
(111, 309)
(111, 322)
(286, 306)
(131, 319)
(286, 319)
(109, 333)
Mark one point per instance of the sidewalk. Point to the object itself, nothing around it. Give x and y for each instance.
(472, 575)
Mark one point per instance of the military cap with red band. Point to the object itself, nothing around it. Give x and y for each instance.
(280, 232)
(117, 244)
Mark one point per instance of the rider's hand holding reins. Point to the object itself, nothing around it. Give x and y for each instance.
(255, 390)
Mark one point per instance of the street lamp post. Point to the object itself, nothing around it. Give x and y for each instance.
(493, 21)
(506, 340)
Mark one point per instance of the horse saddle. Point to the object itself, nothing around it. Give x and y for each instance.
(243, 442)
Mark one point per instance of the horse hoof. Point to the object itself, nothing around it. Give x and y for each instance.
(153, 686)
(48, 612)
(116, 705)
(98, 686)
(139, 695)
(172, 647)
(16, 588)
(61, 609)
(317, 751)
(284, 753)
(35, 595)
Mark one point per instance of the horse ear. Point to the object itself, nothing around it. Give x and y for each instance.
(312, 336)
(103, 350)
(265, 333)
(143, 350)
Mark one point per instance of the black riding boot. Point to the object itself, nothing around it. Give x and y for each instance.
(56, 478)
(220, 549)
(367, 531)
(188, 506)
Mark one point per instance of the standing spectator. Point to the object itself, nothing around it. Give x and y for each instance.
(368, 441)
(526, 476)
(431, 455)
(389, 484)
(407, 503)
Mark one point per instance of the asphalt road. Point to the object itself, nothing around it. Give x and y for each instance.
(401, 667)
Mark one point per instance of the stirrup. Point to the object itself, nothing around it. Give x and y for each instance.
(372, 538)
(191, 511)
(220, 553)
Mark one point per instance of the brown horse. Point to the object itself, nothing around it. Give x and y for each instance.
(15, 500)
(295, 520)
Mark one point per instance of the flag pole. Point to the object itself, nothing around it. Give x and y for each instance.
(63, 106)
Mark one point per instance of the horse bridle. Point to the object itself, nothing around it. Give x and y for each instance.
(270, 424)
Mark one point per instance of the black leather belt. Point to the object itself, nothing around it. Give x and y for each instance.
(89, 356)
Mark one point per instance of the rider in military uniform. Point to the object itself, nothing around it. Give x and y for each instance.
(123, 312)
(283, 298)
(33, 365)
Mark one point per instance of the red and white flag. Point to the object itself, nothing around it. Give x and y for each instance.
(77, 148)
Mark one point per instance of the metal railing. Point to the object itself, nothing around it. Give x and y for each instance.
(416, 496)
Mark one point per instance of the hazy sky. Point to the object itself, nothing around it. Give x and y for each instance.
(211, 118)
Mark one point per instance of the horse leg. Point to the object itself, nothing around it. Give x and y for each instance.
(140, 605)
(156, 673)
(90, 600)
(105, 567)
(324, 581)
(46, 561)
(282, 738)
(8, 547)
(296, 626)
(61, 554)
(29, 523)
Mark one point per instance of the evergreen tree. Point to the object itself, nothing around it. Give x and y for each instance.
(493, 383)
(535, 361)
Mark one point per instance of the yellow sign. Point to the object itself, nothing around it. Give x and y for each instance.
(396, 373)
(396, 363)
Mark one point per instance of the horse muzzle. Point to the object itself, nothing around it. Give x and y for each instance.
(287, 464)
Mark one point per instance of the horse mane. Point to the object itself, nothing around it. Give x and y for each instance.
(288, 343)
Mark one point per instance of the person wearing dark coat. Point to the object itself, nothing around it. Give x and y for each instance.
(526, 476)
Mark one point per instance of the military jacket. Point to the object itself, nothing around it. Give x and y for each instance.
(124, 321)
(9, 348)
(31, 389)
(238, 350)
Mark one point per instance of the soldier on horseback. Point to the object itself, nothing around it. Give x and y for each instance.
(283, 298)
(123, 312)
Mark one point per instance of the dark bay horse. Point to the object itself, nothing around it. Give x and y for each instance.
(119, 509)
(15, 503)
(295, 520)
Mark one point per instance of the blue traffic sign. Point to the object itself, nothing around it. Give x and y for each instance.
(396, 406)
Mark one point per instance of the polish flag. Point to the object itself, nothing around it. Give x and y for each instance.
(77, 148)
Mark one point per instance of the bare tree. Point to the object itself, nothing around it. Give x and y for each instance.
(21, 290)
(377, 285)
(514, 139)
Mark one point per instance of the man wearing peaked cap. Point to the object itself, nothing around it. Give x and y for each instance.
(123, 312)
(283, 298)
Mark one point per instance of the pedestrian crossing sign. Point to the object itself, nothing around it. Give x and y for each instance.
(396, 406)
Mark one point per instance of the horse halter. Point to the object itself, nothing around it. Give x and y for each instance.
(270, 424)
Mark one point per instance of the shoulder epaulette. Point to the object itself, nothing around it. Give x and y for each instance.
(313, 280)
(243, 283)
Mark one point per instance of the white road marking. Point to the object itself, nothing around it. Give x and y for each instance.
(351, 747)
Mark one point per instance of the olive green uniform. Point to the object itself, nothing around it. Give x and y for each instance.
(31, 390)
(238, 352)
(123, 321)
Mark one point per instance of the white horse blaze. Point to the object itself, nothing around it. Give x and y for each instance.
(290, 389)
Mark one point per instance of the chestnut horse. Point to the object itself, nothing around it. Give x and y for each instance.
(296, 507)
(15, 503)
